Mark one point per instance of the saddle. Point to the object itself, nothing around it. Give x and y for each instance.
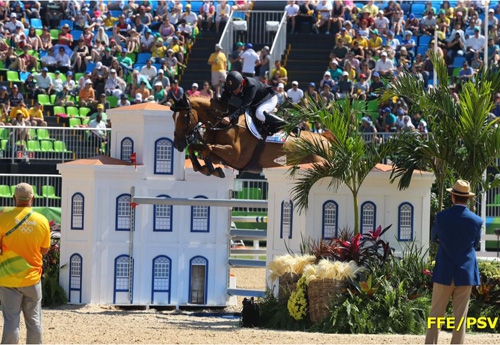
(272, 125)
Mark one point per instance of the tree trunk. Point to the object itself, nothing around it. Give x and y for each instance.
(356, 212)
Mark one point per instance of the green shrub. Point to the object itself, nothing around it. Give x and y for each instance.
(52, 293)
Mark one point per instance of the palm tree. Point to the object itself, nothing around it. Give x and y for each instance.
(463, 142)
(346, 161)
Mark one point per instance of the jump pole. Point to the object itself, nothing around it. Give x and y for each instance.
(139, 200)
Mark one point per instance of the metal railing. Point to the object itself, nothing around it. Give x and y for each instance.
(47, 189)
(50, 143)
(250, 189)
(259, 28)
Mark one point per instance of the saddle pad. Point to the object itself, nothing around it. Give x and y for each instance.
(251, 126)
(276, 138)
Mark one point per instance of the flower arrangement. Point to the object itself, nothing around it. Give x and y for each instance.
(297, 303)
(335, 270)
(293, 264)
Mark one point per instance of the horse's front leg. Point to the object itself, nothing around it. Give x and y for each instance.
(192, 156)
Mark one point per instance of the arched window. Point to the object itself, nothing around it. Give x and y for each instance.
(123, 210)
(330, 217)
(405, 222)
(200, 217)
(368, 217)
(162, 216)
(126, 149)
(286, 219)
(198, 280)
(161, 278)
(123, 276)
(75, 277)
(77, 209)
(164, 150)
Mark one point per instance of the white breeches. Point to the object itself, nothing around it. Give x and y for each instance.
(268, 106)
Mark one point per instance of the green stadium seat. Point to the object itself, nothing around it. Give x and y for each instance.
(113, 101)
(5, 191)
(13, 77)
(84, 111)
(250, 193)
(59, 110)
(44, 99)
(43, 134)
(54, 34)
(72, 111)
(46, 146)
(60, 147)
(74, 122)
(49, 192)
(33, 145)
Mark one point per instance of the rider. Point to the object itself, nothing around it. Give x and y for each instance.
(252, 92)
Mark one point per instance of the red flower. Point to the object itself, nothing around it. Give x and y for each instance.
(427, 272)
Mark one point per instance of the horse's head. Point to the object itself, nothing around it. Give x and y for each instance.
(184, 122)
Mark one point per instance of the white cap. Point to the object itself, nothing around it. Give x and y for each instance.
(158, 83)
(98, 65)
(345, 73)
(160, 71)
(295, 83)
(88, 82)
(383, 54)
(112, 70)
(328, 73)
(491, 10)
(280, 85)
(218, 47)
(194, 85)
(13, 15)
(138, 97)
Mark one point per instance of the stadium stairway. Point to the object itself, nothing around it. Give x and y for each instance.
(307, 58)
(197, 69)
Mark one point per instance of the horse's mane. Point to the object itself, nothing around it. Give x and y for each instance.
(207, 103)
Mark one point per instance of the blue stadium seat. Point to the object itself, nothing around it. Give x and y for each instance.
(418, 9)
(143, 57)
(23, 76)
(76, 34)
(36, 23)
(64, 22)
(458, 61)
(90, 67)
(424, 40)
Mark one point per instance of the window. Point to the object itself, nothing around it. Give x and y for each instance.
(127, 148)
(198, 272)
(123, 210)
(286, 219)
(200, 217)
(161, 276)
(75, 276)
(405, 222)
(162, 216)
(164, 149)
(330, 218)
(123, 275)
(77, 207)
(368, 217)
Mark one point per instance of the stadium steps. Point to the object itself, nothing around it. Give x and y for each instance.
(197, 69)
(307, 59)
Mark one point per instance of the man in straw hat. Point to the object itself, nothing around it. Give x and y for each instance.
(457, 231)
(25, 237)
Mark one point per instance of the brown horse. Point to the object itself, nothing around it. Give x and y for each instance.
(233, 145)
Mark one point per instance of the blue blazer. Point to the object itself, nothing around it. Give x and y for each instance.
(457, 230)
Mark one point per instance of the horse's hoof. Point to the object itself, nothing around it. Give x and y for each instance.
(219, 173)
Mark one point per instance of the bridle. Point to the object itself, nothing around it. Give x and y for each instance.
(194, 133)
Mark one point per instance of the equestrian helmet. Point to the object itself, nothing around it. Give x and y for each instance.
(233, 80)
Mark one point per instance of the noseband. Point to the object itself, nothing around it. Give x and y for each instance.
(194, 133)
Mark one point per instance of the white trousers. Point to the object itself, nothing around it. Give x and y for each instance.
(268, 106)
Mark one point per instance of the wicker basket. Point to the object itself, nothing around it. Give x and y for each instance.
(321, 293)
(287, 284)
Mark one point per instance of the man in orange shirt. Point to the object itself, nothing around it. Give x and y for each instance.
(25, 239)
(87, 95)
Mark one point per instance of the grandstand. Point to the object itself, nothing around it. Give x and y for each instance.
(124, 38)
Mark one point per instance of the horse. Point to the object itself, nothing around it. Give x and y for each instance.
(232, 145)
